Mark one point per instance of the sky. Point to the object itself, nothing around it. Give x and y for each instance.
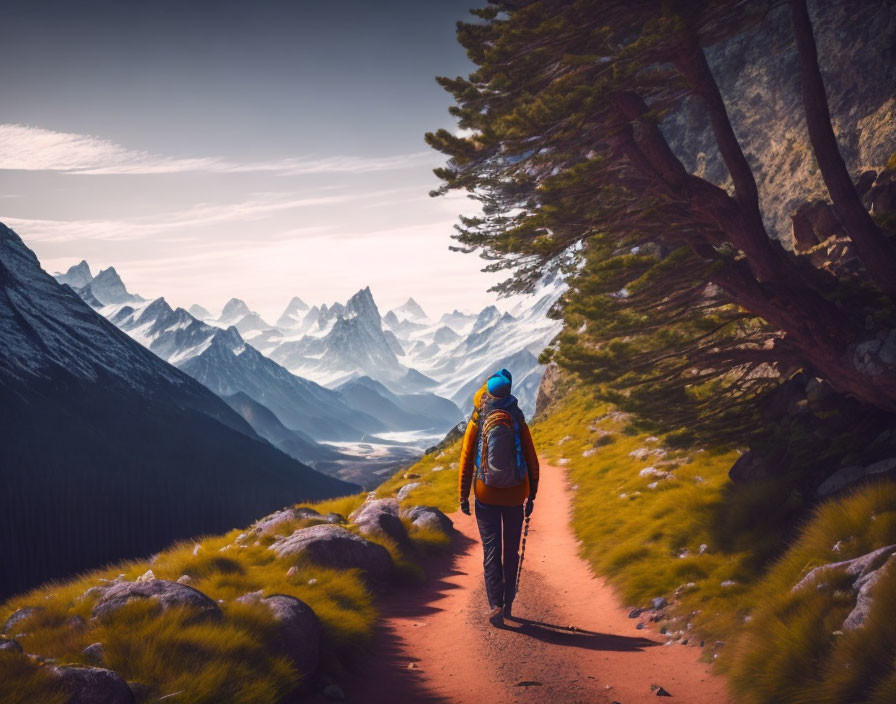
(217, 149)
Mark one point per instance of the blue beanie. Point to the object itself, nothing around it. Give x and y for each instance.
(506, 373)
(498, 385)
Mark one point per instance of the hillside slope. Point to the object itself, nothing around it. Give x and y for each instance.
(122, 452)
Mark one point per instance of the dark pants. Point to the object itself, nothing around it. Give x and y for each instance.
(500, 575)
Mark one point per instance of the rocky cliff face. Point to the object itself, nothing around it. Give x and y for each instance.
(758, 75)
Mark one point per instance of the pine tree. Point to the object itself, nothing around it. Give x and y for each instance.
(681, 305)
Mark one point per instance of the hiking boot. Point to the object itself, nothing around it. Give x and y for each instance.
(496, 616)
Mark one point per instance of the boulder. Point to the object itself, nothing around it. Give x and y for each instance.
(9, 645)
(813, 223)
(406, 489)
(95, 653)
(380, 517)
(864, 585)
(92, 685)
(167, 594)
(857, 567)
(847, 476)
(334, 518)
(299, 633)
(333, 546)
(20, 615)
(866, 570)
(751, 467)
(270, 524)
(429, 517)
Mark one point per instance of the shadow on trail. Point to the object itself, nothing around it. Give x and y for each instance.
(572, 637)
(386, 674)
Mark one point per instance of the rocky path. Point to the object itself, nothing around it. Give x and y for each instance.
(570, 641)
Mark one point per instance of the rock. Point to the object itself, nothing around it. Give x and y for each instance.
(9, 645)
(728, 583)
(850, 475)
(660, 692)
(703, 548)
(589, 452)
(76, 623)
(334, 691)
(634, 613)
(864, 585)
(167, 594)
(865, 181)
(411, 475)
(186, 579)
(429, 517)
(659, 602)
(380, 517)
(406, 489)
(92, 685)
(20, 615)
(813, 223)
(270, 524)
(334, 546)
(640, 454)
(299, 633)
(95, 653)
(250, 597)
(750, 467)
(292, 571)
(858, 567)
(334, 518)
(639, 627)
(547, 388)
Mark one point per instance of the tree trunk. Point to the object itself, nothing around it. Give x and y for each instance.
(876, 252)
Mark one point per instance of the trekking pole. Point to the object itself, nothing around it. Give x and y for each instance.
(519, 567)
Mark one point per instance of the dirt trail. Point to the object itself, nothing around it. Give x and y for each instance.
(570, 641)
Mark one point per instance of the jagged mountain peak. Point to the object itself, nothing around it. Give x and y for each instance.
(77, 276)
(362, 305)
(293, 313)
(109, 289)
(410, 310)
(234, 309)
(198, 311)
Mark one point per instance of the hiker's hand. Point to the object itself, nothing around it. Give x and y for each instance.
(530, 504)
(465, 506)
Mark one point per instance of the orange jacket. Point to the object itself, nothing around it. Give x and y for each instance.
(511, 496)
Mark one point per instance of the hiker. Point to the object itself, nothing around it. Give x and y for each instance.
(498, 446)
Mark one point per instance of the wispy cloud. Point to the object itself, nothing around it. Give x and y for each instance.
(200, 215)
(35, 149)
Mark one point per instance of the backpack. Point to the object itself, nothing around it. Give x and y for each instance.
(499, 457)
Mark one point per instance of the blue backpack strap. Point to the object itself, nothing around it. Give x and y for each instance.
(520, 459)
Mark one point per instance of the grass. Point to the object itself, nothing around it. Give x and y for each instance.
(758, 541)
(232, 659)
(727, 557)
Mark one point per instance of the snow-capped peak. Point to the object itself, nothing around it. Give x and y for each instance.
(410, 310)
(293, 314)
(233, 310)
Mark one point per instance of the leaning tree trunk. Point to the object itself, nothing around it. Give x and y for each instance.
(876, 252)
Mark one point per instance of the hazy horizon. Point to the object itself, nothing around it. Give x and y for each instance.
(219, 150)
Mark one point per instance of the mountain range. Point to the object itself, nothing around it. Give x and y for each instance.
(121, 451)
(338, 385)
